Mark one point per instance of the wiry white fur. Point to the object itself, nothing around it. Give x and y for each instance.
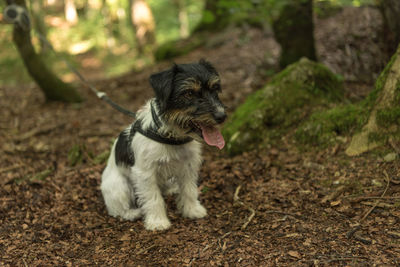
(159, 169)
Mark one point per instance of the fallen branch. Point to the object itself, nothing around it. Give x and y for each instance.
(236, 200)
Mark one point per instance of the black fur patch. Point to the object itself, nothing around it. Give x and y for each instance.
(123, 151)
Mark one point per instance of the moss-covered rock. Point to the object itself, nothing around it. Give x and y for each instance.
(324, 127)
(286, 100)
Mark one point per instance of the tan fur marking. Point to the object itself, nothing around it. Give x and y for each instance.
(191, 84)
(213, 80)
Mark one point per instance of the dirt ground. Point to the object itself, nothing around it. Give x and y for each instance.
(275, 207)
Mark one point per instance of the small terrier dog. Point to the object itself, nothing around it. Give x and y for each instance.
(160, 153)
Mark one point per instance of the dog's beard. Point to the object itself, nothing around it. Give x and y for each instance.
(200, 128)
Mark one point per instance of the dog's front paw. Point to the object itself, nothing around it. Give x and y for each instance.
(156, 223)
(195, 211)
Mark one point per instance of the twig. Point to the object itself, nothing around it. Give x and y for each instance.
(10, 168)
(352, 232)
(146, 249)
(283, 213)
(224, 235)
(325, 259)
(332, 196)
(377, 201)
(38, 130)
(345, 259)
(25, 264)
(252, 214)
(379, 204)
(236, 195)
(362, 239)
(195, 258)
(236, 200)
(395, 234)
(358, 199)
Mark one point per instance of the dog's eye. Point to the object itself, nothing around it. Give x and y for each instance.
(188, 94)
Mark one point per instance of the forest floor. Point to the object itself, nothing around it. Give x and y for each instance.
(276, 207)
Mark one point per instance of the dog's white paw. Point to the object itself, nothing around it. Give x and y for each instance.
(156, 223)
(132, 214)
(195, 211)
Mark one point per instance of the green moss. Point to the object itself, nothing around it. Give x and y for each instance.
(322, 128)
(281, 105)
(380, 83)
(313, 77)
(377, 137)
(388, 117)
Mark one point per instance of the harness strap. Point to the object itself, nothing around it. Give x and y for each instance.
(155, 136)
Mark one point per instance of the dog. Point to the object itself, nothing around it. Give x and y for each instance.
(160, 153)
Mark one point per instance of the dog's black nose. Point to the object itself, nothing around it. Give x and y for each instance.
(219, 117)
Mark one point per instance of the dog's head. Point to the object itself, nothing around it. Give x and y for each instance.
(187, 97)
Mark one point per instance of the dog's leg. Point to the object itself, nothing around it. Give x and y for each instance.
(117, 193)
(151, 200)
(187, 200)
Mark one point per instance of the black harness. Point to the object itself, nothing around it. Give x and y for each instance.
(152, 132)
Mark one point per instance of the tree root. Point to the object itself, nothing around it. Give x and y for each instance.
(236, 201)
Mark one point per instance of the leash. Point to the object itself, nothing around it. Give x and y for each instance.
(15, 14)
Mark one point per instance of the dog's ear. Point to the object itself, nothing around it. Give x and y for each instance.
(162, 83)
(208, 66)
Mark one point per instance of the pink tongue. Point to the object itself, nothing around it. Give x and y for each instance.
(212, 136)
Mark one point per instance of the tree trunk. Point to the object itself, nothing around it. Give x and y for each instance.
(294, 30)
(108, 24)
(213, 18)
(51, 85)
(183, 18)
(390, 10)
(384, 120)
(70, 12)
(144, 25)
(38, 21)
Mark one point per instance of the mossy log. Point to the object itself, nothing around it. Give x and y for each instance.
(384, 118)
(53, 88)
(294, 31)
(289, 98)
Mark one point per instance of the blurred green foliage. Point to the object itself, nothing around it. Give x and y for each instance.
(104, 33)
